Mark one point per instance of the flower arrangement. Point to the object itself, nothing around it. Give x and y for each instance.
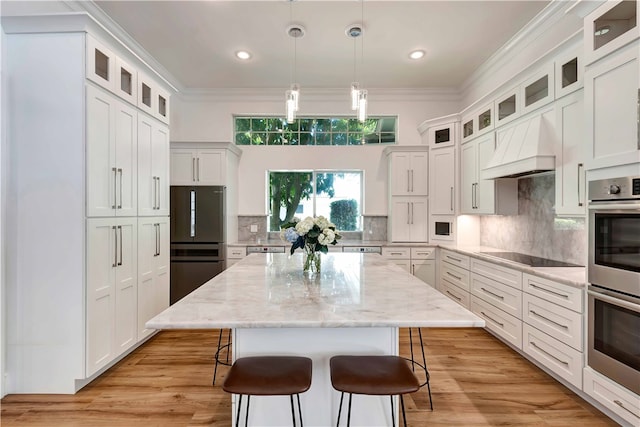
(311, 234)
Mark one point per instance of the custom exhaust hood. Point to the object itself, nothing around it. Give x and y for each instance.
(524, 149)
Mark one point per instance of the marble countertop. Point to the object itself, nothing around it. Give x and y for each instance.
(572, 276)
(341, 243)
(352, 290)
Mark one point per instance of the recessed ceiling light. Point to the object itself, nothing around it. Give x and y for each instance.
(416, 54)
(243, 54)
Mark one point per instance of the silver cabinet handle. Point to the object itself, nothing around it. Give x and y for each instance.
(451, 198)
(198, 164)
(492, 319)
(155, 193)
(580, 166)
(541, 350)
(453, 258)
(115, 246)
(412, 189)
(533, 285)
(408, 213)
(549, 320)
(120, 230)
(492, 293)
(458, 298)
(473, 195)
(193, 168)
(158, 192)
(408, 181)
(638, 120)
(454, 276)
(115, 188)
(157, 228)
(620, 404)
(120, 204)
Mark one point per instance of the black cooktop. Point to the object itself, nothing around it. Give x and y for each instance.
(530, 260)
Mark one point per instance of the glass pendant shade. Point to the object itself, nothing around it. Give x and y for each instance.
(362, 106)
(295, 90)
(290, 106)
(355, 95)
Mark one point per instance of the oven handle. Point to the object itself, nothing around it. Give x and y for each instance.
(617, 300)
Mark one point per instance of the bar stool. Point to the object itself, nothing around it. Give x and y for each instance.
(423, 365)
(372, 375)
(217, 355)
(269, 376)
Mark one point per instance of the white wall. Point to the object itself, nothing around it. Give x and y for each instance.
(210, 118)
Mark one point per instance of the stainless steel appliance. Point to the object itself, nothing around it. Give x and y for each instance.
(197, 237)
(530, 260)
(614, 280)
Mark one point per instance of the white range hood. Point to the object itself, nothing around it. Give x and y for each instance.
(524, 149)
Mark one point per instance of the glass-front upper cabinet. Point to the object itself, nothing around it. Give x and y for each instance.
(126, 81)
(101, 64)
(478, 122)
(538, 90)
(507, 106)
(609, 27)
(569, 70)
(442, 135)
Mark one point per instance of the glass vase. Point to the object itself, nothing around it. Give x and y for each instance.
(312, 260)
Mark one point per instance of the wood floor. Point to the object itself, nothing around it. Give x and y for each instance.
(475, 380)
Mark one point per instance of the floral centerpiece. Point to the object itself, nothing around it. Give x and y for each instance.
(313, 235)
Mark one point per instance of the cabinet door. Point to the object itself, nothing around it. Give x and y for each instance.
(102, 258)
(485, 189)
(468, 175)
(400, 173)
(442, 136)
(126, 85)
(147, 191)
(419, 173)
(418, 229)
(400, 219)
(101, 64)
(126, 279)
(126, 151)
(210, 167)
(160, 166)
(101, 153)
(183, 168)
(611, 98)
(162, 266)
(425, 270)
(442, 181)
(570, 156)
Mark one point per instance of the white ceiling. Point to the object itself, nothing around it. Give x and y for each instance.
(195, 40)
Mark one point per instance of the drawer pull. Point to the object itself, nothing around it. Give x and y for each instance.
(396, 253)
(458, 298)
(493, 294)
(549, 320)
(549, 291)
(492, 319)
(620, 404)
(454, 276)
(455, 259)
(541, 350)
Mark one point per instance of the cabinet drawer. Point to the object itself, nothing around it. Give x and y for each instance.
(495, 293)
(502, 324)
(455, 293)
(455, 258)
(501, 274)
(562, 324)
(423, 253)
(456, 275)
(236, 252)
(405, 264)
(396, 253)
(563, 360)
(618, 399)
(558, 293)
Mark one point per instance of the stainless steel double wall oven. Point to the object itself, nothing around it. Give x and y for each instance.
(614, 280)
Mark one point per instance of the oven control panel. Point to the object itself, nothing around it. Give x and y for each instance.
(626, 188)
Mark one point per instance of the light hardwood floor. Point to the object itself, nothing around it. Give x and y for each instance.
(475, 380)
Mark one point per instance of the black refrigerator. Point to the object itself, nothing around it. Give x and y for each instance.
(197, 237)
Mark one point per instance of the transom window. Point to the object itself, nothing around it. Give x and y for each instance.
(314, 131)
(336, 195)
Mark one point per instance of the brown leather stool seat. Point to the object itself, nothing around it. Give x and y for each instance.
(269, 376)
(372, 375)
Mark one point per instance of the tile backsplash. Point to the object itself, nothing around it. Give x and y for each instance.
(536, 230)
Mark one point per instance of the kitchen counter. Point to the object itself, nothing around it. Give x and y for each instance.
(572, 276)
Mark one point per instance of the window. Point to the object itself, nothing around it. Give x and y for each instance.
(314, 131)
(336, 195)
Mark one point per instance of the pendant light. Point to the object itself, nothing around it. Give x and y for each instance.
(358, 95)
(292, 96)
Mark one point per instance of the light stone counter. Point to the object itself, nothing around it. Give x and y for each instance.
(354, 306)
(353, 290)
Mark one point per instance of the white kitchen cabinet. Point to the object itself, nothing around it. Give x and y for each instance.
(569, 72)
(482, 196)
(111, 290)
(101, 63)
(152, 99)
(504, 325)
(611, 105)
(621, 401)
(126, 85)
(408, 173)
(608, 28)
(478, 122)
(498, 294)
(557, 322)
(235, 254)
(153, 270)
(153, 167)
(445, 135)
(442, 175)
(507, 106)
(570, 156)
(423, 265)
(453, 276)
(400, 256)
(408, 219)
(111, 133)
(538, 89)
(204, 166)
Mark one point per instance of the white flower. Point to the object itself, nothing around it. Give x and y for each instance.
(304, 226)
(327, 237)
(322, 222)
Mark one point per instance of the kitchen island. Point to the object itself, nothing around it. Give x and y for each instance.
(355, 305)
